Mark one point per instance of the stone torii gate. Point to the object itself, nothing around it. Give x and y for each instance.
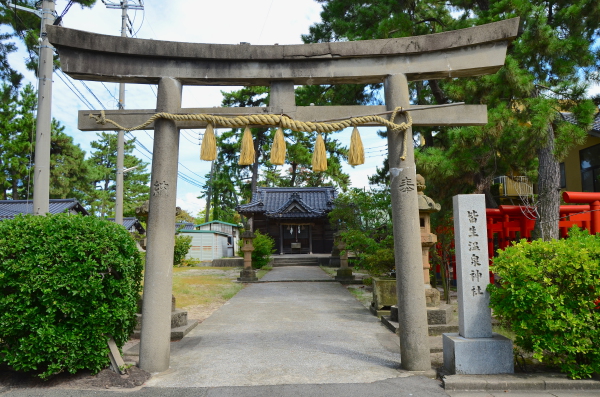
(395, 62)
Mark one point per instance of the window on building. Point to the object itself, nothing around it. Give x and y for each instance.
(590, 168)
(563, 176)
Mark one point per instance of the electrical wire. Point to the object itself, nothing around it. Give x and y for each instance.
(91, 92)
(109, 92)
(192, 181)
(78, 94)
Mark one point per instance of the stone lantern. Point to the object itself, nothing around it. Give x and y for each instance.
(248, 273)
(344, 273)
(428, 239)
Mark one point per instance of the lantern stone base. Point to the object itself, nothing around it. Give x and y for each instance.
(478, 356)
(432, 297)
(344, 274)
(248, 275)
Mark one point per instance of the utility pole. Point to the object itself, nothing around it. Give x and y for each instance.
(209, 193)
(41, 176)
(124, 5)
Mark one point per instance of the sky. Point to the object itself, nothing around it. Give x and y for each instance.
(220, 22)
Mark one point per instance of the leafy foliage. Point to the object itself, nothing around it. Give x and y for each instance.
(547, 70)
(365, 222)
(68, 171)
(182, 247)
(548, 294)
(264, 246)
(67, 284)
(27, 26)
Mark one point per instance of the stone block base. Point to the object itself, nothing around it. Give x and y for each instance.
(439, 315)
(248, 275)
(478, 356)
(344, 274)
(435, 315)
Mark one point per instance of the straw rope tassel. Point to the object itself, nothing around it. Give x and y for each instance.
(319, 160)
(278, 148)
(208, 151)
(356, 154)
(247, 152)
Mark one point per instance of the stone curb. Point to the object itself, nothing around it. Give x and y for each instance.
(547, 381)
(288, 281)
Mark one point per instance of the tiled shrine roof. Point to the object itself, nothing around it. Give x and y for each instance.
(288, 203)
(10, 208)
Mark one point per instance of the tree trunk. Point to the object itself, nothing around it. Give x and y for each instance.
(293, 180)
(548, 206)
(437, 92)
(15, 188)
(482, 186)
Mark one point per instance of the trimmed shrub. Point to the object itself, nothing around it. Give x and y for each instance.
(264, 246)
(182, 247)
(547, 294)
(67, 284)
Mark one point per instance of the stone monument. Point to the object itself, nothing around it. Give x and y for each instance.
(475, 349)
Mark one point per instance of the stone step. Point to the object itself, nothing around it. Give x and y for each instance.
(295, 262)
(177, 333)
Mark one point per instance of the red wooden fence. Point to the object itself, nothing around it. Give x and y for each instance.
(509, 223)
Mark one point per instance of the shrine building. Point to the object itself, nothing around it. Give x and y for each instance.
(295, 217)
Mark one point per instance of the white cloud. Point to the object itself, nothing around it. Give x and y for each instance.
(191, 203)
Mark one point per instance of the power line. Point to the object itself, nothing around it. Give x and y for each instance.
(72, 87)
(91, 92)
(110, 93)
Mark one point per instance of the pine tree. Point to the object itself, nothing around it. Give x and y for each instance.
(102, 165)
(17, 152)
(546, 71)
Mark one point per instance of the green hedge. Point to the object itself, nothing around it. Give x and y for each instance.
(67, 283)
(182, 247)
(264, 246)
(548, 294)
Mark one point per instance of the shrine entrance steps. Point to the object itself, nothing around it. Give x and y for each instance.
(301, 260)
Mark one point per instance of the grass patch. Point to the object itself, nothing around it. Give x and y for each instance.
(504, 331)
(332, 271)
(362, 294)
(203, 285)
(264, 270)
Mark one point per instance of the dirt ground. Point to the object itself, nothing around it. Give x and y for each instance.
(105, 379)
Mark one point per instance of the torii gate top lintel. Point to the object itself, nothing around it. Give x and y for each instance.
(466, 52)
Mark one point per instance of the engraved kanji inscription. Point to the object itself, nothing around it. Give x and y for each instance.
(475, 260)
(473, 215)
(476, 275)
(477, 290)
(406, 185)
(473, 232)
(160, 188)
(474, 246)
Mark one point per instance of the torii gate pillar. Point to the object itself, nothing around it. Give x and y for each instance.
(412, 311)
(155, 338)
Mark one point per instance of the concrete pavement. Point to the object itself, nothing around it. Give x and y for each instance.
(282, 333)
(307, 338)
